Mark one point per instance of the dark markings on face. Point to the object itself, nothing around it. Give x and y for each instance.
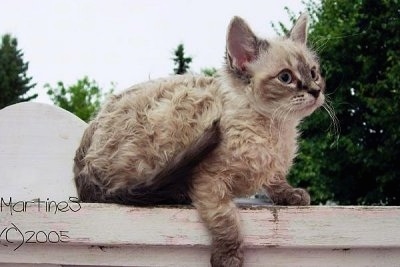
(273, 90)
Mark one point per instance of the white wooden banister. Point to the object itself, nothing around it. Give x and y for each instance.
(37, 147)
(37, 144)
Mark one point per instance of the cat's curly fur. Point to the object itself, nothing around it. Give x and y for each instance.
(208, 140)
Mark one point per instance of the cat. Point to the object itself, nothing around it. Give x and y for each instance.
(206, 140)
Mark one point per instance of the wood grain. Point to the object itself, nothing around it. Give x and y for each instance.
(105, 234)
(37, 145)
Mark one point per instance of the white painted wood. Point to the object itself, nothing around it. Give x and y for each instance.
(198, 257)
(37, 146)
(315, 226)
(28, 265)
(102, 234)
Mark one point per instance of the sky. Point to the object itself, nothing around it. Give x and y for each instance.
(127, 41)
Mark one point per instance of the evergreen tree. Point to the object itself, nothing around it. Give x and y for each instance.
(180, 60)
(14, 81)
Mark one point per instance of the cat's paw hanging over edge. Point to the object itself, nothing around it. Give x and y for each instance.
(221, 260)
(227, 254)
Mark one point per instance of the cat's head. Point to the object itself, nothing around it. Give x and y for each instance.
(280, 77)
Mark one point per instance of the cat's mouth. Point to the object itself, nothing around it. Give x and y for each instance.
(308, 105)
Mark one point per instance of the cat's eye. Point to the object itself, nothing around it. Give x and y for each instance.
(314, 74)
(285, 76)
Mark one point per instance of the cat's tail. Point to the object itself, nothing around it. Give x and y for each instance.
(172, 184)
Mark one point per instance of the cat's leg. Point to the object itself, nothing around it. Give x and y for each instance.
(221, 217)
(282, 193)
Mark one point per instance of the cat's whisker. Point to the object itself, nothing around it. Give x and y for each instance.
(320, 44)
(329, 94)
(289, 112)
(285, 117)
(275, 116)
(335, 122)
(273, 119)
(280, 110)
(280, 116)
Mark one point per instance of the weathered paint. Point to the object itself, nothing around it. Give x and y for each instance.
(37, 144)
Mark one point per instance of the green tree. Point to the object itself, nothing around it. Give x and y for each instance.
(211, 72)
(14, 81)
(358, 43)
(82, 98)
(180, 60)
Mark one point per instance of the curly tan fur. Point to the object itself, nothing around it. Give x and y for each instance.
(171, 124)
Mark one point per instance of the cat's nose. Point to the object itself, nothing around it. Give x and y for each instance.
(314, 92)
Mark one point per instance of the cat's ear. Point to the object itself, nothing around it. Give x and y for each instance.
(299, 31)
(241, 45)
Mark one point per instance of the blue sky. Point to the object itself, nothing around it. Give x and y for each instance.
(127, 42)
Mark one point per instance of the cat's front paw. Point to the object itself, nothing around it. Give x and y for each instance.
(227, 255)
(226, 260)
(298, 197)
(290, 196)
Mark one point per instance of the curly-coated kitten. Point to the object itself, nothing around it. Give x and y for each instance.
(203, 140)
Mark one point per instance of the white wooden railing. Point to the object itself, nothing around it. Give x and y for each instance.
(45, 226)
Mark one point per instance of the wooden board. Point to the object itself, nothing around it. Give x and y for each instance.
(104, 234)
(37, 145)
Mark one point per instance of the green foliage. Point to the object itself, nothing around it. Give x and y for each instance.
(211, 72)
(83, 98)
(181, 61)
(14, 82)
(358, 43)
